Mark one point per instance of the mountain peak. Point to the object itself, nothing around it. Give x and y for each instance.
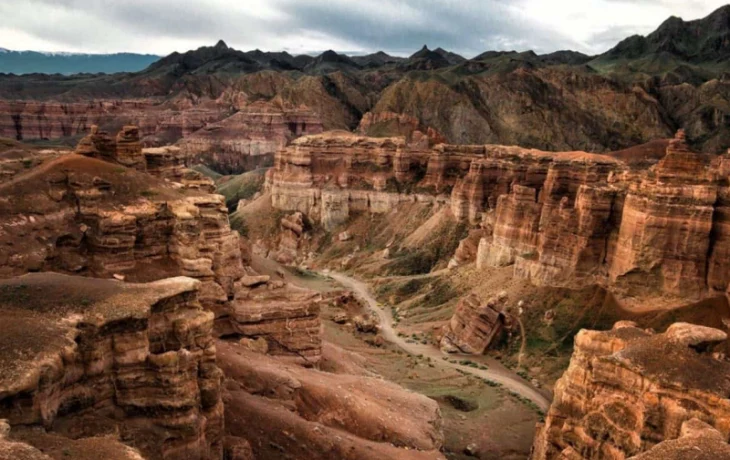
(221, 45)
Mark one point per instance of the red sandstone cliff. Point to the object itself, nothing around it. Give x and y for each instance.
(561, 219)
(629, 391)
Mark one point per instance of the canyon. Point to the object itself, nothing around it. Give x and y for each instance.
(130, 307)
(560, 219)
(253, 255)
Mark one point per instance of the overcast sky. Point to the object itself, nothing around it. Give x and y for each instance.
(400, 27)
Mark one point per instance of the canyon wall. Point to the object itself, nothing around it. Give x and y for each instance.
(631, 392)
(249, 138)
(229, 136)
(29, 120)
(116, 210)
(560, 219)
(109, 361)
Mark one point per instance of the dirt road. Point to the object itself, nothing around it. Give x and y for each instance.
(495, 373)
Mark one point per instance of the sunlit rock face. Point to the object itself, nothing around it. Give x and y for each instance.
(562, 219)
(475, 325)
(629, 392)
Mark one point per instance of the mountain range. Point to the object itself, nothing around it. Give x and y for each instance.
(642, 89)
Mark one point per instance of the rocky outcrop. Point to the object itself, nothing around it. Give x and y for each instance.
(307, 413)
(665, 234)
(628, 391)
(106, 361)
(168, 163)
(330, 176)
(389, 124)
(290, 239)
(656, 233)
(97, 218)
(285, 316)
(126, 150)
(697, 440)
(249, 138)
(475, 326)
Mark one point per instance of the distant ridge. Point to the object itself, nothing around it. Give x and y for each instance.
(26, 62)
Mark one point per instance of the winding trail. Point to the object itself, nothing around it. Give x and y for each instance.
(495, 373)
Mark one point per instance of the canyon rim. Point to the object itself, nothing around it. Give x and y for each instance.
(434, 254)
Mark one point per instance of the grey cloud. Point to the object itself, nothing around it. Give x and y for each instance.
(396, 26)
(467, 26)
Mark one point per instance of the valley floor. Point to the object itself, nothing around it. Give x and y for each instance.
(487, 407)
(495, 373)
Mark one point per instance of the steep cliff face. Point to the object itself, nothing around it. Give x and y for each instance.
(561, 219)
(332, 175)
(98, 218)
(628, 390)
(665, 234)
(642, 234)
(86, 358)
(249, 138)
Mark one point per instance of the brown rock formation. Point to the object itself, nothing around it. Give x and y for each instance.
(666, 224)
(561, 219)
(389, 124)
(287, 317)
(312, 414)
(84, 358)
(628, 390)
(168, 163)
(95, 218)
(698, 441)
(27, 120)
(292, 231)
(249, 138)
(475, 325)
(126, 150)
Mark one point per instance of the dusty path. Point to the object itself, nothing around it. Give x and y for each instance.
(495, 373)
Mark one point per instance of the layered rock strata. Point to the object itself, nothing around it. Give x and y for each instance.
(285, 316)
(560, 219)
(89, 358)
(97, 218)
(28, 120)
(628, 391)
(249, 138)
(475, 325)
